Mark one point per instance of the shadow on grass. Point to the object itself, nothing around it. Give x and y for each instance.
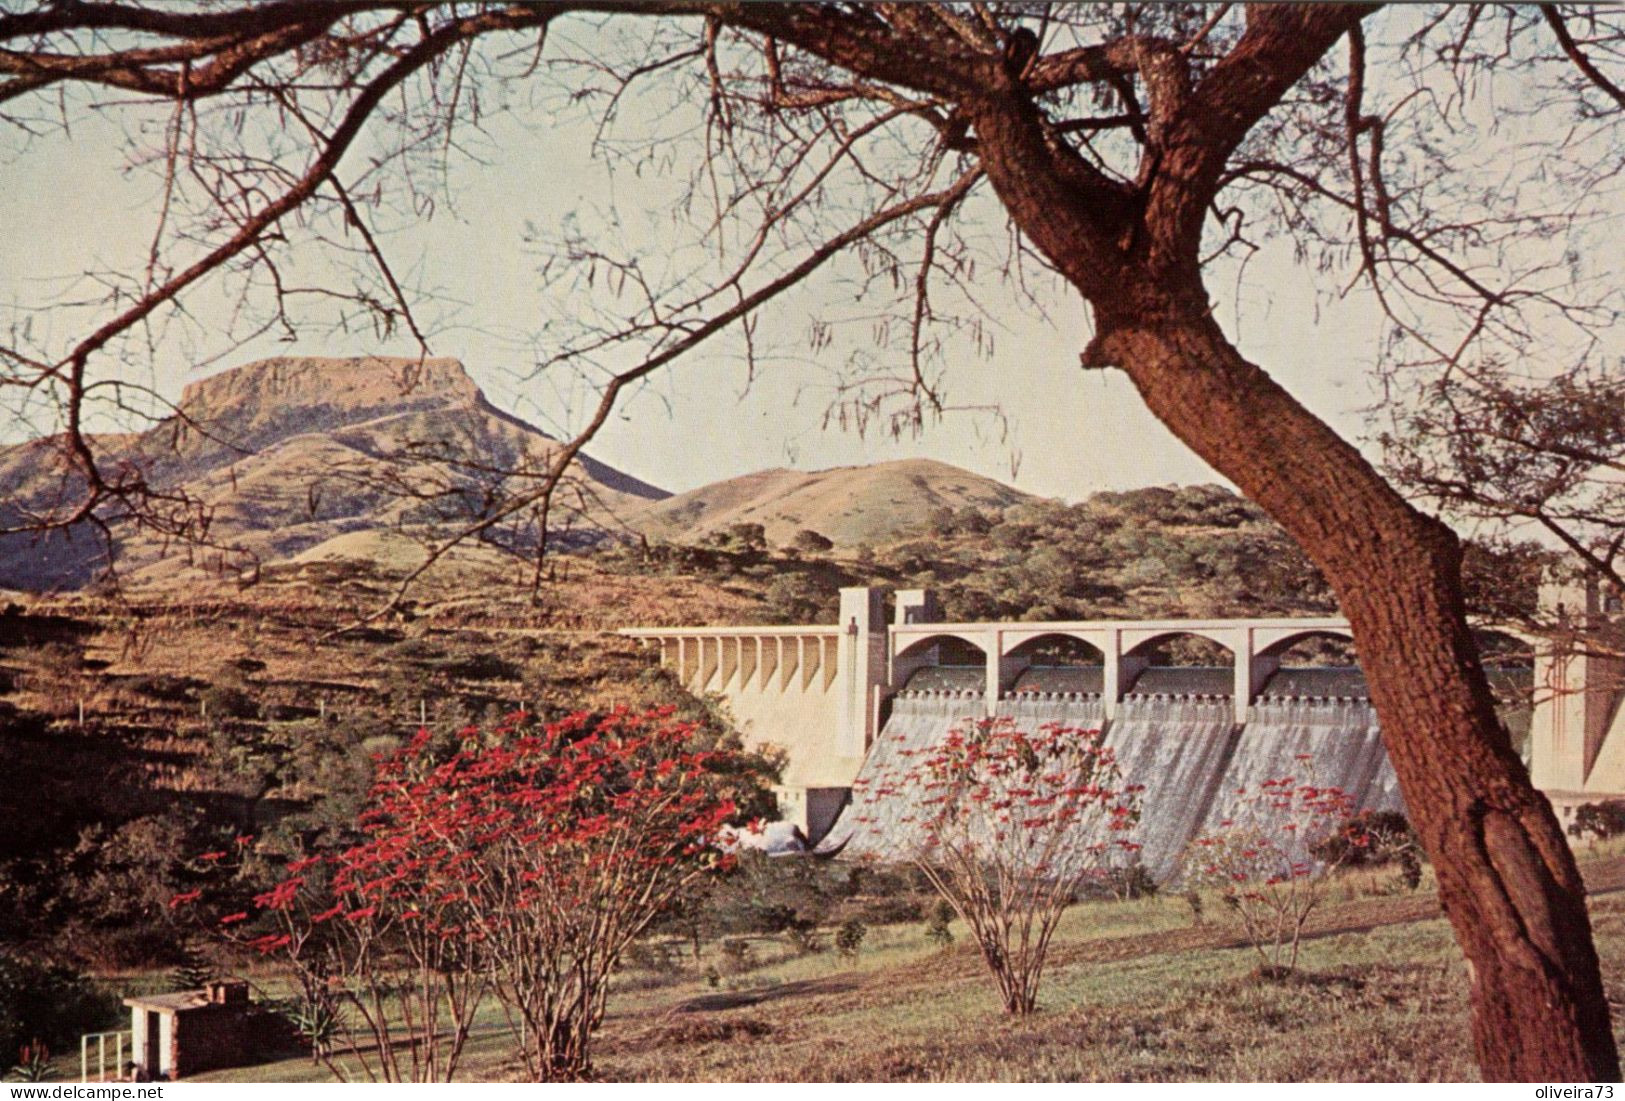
(738, 999)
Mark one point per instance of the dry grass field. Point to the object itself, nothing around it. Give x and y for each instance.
(1136, 992)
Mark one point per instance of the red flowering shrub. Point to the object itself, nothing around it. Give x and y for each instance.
(1009, 826)
(1263, 860)
(518, 866)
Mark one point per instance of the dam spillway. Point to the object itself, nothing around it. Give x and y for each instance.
(1186, 750)
(839, 700)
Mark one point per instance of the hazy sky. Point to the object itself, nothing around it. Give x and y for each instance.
(69, 209)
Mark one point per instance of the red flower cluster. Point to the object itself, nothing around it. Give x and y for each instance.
(1260, 858)
(457, 842)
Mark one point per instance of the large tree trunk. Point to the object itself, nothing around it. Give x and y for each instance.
(1506, 876)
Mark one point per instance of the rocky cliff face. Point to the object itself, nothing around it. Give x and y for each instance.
(273, 398)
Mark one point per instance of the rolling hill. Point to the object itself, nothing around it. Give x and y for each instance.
(847, 505)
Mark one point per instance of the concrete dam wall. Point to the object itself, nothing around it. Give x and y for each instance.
(849, 701)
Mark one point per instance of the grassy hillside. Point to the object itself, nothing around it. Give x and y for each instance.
(1137, 991)
(847, 505)
(1175, 552)
(220, 711)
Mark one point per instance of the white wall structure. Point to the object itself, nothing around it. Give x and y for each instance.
(1254, 646)
(1577, 734)
(819, 692)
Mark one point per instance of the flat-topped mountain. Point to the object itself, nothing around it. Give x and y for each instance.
(286, 454)
(310, 458)
(273, 398)
(848, 505)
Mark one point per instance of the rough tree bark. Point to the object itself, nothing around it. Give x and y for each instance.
(1506, 876)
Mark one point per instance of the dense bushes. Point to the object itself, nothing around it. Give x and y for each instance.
(793, 896)
(1599, 820)
(50, 1004)
(228, 701)
(1373, 839)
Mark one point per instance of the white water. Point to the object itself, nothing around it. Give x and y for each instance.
(1178, 747)
(1328, 743)
(881, 818)
(1185, 750)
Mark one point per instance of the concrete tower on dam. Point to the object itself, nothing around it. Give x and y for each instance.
(823, 693)
(1577, 737)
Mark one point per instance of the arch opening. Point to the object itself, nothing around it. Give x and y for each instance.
(1059, 651)
(1183, 650)
(1058, 664)
(944, 650)
(1314, 650)
(1180, 663)
(942, 663)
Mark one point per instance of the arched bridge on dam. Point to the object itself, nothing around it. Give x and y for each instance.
(825, 694)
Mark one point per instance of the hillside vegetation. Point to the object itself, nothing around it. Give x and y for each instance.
(1176, 552)
(849, 506)
(140, 733)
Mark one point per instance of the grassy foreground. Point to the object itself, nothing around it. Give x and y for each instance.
(1135, 992)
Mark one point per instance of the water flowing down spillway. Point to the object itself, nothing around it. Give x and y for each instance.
(881, 821)
(1035, 710)
(1325, 742)
(1184, 748)
(1178, 747)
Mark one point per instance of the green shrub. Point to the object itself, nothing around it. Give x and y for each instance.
(739, 954)
(1193, 899)
(192, 970)
(33, 1063)
(163, 687)
(479, 666)
(49, 1005)
(768, 896)
(808, 541)
(937, 926)
(804, 939)
(228, 701)
(1127, 883)
(415, 650)
(873, 909)
(655, 956)
(849, 938)
(1374, 839)
(1599, 820)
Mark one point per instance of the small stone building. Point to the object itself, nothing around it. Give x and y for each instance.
(175, 1035)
